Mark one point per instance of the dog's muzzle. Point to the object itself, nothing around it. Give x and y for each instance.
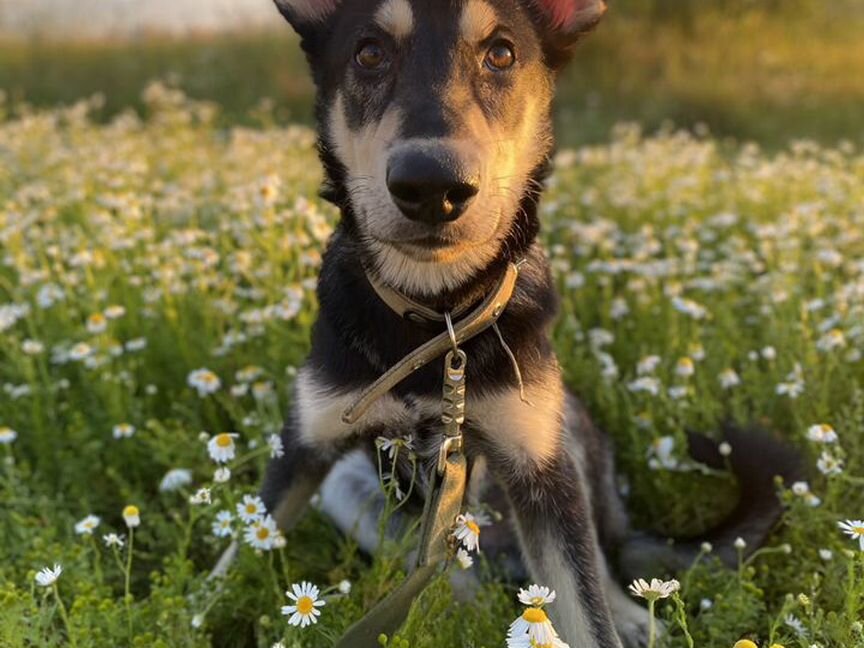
(432, 184)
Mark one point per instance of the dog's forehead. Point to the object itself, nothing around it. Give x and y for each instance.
(468, 19)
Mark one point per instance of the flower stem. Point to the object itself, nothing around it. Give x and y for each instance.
(652, 624)
(65, 616)
(127, 597)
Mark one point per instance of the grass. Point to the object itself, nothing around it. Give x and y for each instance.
(745, 72)
(119, 239)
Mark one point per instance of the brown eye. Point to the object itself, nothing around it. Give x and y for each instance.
(500, 57)
(370, 55)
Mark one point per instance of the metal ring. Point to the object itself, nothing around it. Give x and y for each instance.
(451, 332)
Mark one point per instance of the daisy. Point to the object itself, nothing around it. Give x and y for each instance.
(536, 596)
(97, 323)
(305, 610)
(113, 540)
(685, 367)
(201, 496)
(115, 312)
(123, 431)
(344, 587)
(87, 525)
(222, 448)
(654, 590)
(262, 534)
(132, 516)
(32, 347)
(47, 576)
(822, 433)
(390, 446)
(251, 509)
(222, 475)
(222, 526)
(7, 436)
(277, 449)
(464, 559)
(204, 381)
(80, 351)
(535, 625)
(175, 479)
(648, 365)
(467, 531)
(729, 378)
(854, 529)
(829, 465)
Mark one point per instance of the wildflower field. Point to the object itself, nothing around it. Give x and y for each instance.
(156, 294)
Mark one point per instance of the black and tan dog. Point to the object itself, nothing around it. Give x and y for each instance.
(435, 134)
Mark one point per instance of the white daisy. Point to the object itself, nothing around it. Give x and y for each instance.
(277, 449)
(829, 465)
(87, 525)
(262, 534)
(729, 378)
(47, 576)
(536, 596)
(656, 589)
(344, 587)
(822, 433)
(7, 436)
(115, 312)
(175, 479)
(132, 516)
(204, 381)
(222, 526)
(305, 610)
(113, 540)
(464, 559)
(222, 475)
(536, 626)
(123, 431)
(854, 529)
(97, 323)
(201, 496)
(251, 509)
(222, 448)
(390, 446)
(467, 531)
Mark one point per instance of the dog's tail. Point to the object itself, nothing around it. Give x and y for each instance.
(757, 459)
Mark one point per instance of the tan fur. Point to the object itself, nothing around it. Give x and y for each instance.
(477, 21)
(319, 412)
(530, 434)
(396, 18)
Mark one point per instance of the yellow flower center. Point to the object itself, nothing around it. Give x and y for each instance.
(224, 441)
(858, 529)
(263, 533)
(251, 509)
(130, 511)
(473, 527)
(305, 605)
(745, 643)
(535, 615)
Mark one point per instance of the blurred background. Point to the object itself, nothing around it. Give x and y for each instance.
(762, 70)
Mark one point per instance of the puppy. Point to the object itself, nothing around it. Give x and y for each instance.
(435, 124)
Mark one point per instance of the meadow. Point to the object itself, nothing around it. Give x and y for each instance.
(156, 294)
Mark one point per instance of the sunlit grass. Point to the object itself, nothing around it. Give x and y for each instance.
(135, 253)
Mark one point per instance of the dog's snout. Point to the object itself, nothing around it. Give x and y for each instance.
(432, 186)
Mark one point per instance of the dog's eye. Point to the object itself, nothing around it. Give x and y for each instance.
(500, 56)
(370, 55)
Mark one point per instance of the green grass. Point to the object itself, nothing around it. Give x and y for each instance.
(210, 241)
(745, 72)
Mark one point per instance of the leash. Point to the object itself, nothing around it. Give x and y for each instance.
(450, 475)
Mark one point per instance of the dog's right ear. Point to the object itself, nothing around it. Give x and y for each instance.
(307, 16)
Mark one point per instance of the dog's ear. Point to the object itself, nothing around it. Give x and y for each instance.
(565, 21)
(307, 16)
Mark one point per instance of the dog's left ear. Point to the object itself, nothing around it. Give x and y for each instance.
(567, 20)
(307, 17)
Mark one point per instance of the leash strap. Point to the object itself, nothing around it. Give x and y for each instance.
(483, 317)
(443, 506)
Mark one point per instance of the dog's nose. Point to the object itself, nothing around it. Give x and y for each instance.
(432, 187)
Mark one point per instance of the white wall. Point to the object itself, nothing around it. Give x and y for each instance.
(123, 18)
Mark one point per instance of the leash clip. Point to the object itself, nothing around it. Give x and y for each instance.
(453, 400)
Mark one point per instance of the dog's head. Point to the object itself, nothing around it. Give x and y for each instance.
(435, 121)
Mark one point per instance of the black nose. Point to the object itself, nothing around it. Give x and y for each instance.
(432, 186)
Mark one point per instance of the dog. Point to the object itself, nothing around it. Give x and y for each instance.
(436, 134)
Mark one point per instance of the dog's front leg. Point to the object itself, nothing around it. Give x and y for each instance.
(532, 455)
(559, 543)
